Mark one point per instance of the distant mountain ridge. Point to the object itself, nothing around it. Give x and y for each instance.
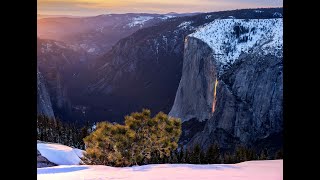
(96, 34)
(141, 70)
(148, 64)
(41, 16)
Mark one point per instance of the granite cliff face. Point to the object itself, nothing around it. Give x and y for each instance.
(61, 68)
(44, 105)
(194, 96)
(249, 104)
(232, 76)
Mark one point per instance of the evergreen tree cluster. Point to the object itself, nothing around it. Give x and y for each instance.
(56, 131)
(141, 140)
(213, 155)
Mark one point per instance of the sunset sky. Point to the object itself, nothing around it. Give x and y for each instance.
(96, 7)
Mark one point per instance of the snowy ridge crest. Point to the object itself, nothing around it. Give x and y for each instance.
(140, 20)
(229, 38)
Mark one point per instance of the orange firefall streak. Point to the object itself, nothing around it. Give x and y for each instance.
(214, 95)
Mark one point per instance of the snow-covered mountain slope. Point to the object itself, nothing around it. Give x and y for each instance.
(232, 78)
(230, 37)
(251, 170)
(140, 20)
(60, 154)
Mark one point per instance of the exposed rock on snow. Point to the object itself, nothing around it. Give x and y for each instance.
(60, 154)
(43, 162)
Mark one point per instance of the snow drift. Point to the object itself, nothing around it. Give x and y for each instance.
(251, 170)
(60, 154)
(68, 159)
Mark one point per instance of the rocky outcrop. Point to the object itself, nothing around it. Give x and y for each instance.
(189, 129)
(43, 162)
(44, 105)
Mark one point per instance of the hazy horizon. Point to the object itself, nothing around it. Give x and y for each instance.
(98, 7)
(64, 15)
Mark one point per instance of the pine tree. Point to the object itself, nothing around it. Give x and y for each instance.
(263, 155)
(203, 158)
(53, 130)
(240, 154)
(187, 156)
(181, 155)
(46, 129)
(195, 155)
(250, 154)
(227, 158)
(279, 154)
(59, 132)
(213, 154)
(155, 158)
(174, 156)
(135, 142)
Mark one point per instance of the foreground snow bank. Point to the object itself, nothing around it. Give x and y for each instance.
(60, 154)
(251, 170)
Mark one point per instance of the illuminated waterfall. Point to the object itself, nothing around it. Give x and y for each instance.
(214, 95)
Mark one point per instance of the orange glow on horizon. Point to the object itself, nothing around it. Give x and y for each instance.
(96, 7)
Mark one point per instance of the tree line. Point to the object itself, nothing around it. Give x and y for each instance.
(56, 131)
(213, 155)
(141, 140)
